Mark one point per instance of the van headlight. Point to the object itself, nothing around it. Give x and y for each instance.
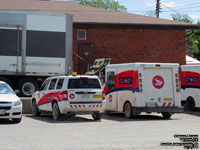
(18, 102)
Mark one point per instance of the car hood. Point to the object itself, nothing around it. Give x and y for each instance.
(8, 97)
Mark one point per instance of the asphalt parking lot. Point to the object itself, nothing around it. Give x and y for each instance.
(113, 132)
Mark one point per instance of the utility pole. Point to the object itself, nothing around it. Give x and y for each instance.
(157, 8)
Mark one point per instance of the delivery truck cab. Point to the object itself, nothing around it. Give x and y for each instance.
(190, 86)
(133, 88)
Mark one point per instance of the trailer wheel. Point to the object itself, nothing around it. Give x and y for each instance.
(190, 104)
(27, 87)
(7, 81)
(166, 115)
(128, 110)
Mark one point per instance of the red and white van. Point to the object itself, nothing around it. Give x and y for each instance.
(190, 86)
(133, 88)
(70, 95)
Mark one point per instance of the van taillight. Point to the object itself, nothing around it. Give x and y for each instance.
(65, 95)
(140, 82)
(177, 82)
(103, 96)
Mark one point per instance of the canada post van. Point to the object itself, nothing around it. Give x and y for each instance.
(133, 88)
(190, 86)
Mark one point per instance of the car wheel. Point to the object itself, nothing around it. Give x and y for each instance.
(17, 120)
(128, 110)
(35, 110)
(190, 104)
(97, 116)
(27, 87)
(166, 115)
(55, 111)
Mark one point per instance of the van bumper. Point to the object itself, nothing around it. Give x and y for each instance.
(157, 109)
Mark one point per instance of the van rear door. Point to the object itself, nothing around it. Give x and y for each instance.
(158, 87)
(84, 90)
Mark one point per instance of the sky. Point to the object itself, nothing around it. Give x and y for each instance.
(147, 7)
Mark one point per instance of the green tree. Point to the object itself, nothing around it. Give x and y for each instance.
(182, 17)
(107, 4)
(192, 36)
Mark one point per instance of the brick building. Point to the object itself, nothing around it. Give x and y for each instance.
(121, 36)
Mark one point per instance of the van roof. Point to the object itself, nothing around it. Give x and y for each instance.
(145, 64)
(71, 76)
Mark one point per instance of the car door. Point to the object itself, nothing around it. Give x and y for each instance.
(42, 95)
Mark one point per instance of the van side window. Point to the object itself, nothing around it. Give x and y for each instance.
(60, 84)
(191, 79)
(52, 84)
(45, 85)
(110, 80)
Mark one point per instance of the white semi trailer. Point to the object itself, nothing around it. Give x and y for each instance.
(34, 46)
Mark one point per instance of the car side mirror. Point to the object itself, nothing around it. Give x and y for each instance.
(17, 91)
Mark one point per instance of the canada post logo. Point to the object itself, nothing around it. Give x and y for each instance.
(158, 82)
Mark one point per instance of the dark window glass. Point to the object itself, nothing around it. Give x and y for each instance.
(110, 80)
(83, 83)
(60, 84)
(52, 84)
(45, 85)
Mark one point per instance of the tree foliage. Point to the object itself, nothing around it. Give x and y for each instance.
(107, 4)
(192, 36)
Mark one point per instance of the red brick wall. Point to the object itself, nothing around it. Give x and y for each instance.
(135, 45)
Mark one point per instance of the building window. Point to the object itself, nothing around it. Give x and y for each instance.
(81, 35)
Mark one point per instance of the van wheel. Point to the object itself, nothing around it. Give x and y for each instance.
(190, 104)
(35, 110)
(128, 110)
(17, 120)
(27, 87)
(166, 115)
(97, 116)
(55, 111)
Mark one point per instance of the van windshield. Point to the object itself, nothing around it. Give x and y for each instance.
(80, 83)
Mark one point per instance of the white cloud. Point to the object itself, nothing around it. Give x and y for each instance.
(194, 16)
(171, 4)
(150, 4)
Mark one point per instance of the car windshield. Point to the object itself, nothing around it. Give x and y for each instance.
(5, 89)
(83, 83)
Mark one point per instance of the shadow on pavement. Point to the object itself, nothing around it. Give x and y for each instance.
(64, 119)
(119, 117)
(143, 117)
(192, 112)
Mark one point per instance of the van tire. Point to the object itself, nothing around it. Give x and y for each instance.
(35, 110)
(97, 116)
(190, 104)
(128, 110)
(166, 115)
(56, 111)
